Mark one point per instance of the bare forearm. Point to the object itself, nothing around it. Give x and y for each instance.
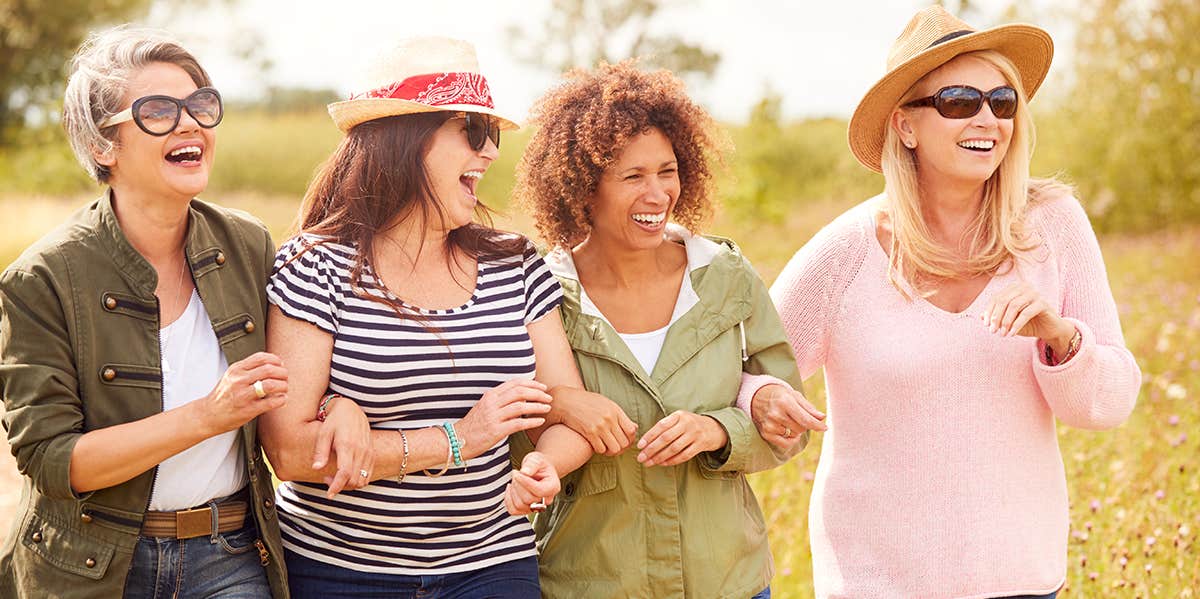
(110, 456)
(293, 458)
(564, 448)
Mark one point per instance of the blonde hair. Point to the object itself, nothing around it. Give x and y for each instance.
(999, 232)
(100, 73)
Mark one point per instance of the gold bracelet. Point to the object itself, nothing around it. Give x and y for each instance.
(449, 455)
(403, 460)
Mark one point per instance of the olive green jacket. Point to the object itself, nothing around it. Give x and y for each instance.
(79, 351)
(620, 529)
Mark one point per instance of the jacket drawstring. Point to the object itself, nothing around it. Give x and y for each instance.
(742, 329)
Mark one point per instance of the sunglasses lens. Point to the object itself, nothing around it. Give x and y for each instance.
(157, 116)
(481, 127)
(1003, 101)
(205, 107)
(958, 102)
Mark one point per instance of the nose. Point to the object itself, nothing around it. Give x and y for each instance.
(985, 118)
(187, 123)
(659, 191)
(489, 150)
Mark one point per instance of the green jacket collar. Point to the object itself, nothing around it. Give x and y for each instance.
(720, 282)
(201, 244)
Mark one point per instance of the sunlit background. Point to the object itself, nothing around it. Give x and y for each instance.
(1119, 117)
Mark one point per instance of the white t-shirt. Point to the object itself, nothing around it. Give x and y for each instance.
(646, 347)
(192, 364)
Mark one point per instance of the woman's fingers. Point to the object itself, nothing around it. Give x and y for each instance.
(323, 446)
(663, 434)
(798, 417)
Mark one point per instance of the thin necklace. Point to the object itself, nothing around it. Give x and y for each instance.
(166, 339)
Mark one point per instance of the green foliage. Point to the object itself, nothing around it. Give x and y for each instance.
(36, 40)
(1127, 128)
(580, 33)
(778, 165)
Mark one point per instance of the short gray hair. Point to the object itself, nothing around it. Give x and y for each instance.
(100, 73)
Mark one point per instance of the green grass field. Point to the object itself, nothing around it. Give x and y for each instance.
(1135, 491)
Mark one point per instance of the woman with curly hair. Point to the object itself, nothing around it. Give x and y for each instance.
(663, 322)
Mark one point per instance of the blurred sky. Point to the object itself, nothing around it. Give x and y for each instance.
(819, 56)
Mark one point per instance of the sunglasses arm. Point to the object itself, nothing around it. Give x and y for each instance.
(116, 119)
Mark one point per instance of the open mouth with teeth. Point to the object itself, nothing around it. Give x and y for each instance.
(185, 155)
(977, 145)
(651, 221)
(470, 181)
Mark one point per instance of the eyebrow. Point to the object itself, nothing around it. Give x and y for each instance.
(661, 166)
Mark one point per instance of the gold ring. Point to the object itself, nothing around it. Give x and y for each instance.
(787, 432)
(258, 389)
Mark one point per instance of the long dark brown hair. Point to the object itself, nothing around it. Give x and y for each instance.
(378, 173)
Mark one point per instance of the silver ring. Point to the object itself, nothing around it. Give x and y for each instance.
(538, 506)
(258, 389)
(363, 473)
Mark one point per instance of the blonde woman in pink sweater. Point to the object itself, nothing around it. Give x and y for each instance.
(956, 316)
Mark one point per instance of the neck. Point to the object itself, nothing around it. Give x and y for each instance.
(950, 208)
(408, 241)
(613, 264)
(155, 227)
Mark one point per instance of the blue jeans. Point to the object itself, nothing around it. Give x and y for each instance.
(221, 566)
(318, 580)
(764, 594)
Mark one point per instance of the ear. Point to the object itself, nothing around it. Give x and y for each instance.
(105, 157)
(902, 124)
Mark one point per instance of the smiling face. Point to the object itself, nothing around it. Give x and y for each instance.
(636, 193)
(958, 151)
(174, 166)
(454, 170)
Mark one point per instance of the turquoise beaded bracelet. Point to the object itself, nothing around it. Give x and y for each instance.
(455, 445)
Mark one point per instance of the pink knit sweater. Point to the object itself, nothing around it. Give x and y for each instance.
(940, 475)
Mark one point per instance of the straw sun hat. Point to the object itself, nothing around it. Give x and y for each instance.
(424, 74)
(932, 38)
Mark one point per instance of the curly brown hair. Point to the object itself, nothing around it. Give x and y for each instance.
(585, 123)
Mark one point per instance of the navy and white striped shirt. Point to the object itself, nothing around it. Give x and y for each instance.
(410, 374)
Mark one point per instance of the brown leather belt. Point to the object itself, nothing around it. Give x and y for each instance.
(195, 522)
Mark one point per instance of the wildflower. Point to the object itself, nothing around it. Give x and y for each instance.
(808, 476)
(1173, 419)
(1159, 494)
(1092, 575)
(1095, 505)
(1150, 541)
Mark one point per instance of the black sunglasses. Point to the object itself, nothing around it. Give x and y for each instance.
(480, 128)
(159, 115)
(964, 101)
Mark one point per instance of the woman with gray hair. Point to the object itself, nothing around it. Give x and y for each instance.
(131, 354)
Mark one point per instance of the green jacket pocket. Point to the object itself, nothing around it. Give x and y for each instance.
(64, 549)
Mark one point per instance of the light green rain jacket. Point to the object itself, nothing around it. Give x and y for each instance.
(620, 529)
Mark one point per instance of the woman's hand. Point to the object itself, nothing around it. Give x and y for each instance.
(1019, 309)
(680, 437)
(533, 487)
(347, 433)
(597, 418)
(781, 414)
(511, 406)
(235, 401)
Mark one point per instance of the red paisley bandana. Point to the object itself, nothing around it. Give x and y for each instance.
(437, 89)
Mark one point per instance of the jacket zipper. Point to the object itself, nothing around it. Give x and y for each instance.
(162, 390)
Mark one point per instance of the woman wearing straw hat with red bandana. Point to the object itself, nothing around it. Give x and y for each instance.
(412, 333)
(956, 316)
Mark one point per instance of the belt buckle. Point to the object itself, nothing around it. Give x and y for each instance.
(193, 523)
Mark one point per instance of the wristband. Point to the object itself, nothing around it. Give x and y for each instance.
(449, 455)
(404, 459)
(455, 445)
(323, 408)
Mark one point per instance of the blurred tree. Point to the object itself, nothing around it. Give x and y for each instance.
(36, 40)
(580, 33)
(1128, 128)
